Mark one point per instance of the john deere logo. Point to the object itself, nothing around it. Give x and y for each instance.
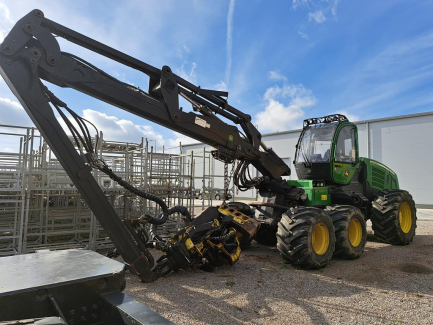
(346, 173)
(230, 138)
(308, 171)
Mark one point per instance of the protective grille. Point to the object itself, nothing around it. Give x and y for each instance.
(378, 177)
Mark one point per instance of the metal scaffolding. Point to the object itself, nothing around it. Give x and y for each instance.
(41, 208)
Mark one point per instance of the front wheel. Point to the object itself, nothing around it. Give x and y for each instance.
(350, 231)
(393, 217)
(306, 237)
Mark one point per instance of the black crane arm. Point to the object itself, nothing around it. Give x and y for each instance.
(30, 53)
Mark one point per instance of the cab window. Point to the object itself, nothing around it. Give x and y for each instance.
(345, 150)
(315, 144)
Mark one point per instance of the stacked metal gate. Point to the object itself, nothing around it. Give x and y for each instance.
(40, 207)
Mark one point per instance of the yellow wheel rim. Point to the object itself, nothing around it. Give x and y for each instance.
(355, 232)
(320, 239)
(405, 217)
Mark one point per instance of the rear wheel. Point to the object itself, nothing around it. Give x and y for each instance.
(305, 237)
(393, 216)
(350, 231)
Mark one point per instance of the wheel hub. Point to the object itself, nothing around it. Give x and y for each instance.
(405, 217)
(355, 232)
(320, 239)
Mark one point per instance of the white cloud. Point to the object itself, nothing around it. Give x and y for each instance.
(123, 130)
(300, 3)
(180, 138)
(116, 129)
(186, 48)
(303, 35)
(334, 8)
(317, 16)
(319, 11)
(221, 86)
(190, 76)
(284, 108)
(12, 113)
(276, 75)
(11, 104)
(16, 115)
(229, 40)
(6, 23)
(183, 51)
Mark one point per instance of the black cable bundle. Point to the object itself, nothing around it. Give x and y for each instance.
(243, 179)
(161, 218)
(84, 138)
(153, 232)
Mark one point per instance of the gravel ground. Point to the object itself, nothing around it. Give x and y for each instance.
(386, 285)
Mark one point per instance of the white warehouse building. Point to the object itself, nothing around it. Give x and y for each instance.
(403, 143)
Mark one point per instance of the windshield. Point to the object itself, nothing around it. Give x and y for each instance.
(315, 145)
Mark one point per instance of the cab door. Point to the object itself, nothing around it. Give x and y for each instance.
(345, 154)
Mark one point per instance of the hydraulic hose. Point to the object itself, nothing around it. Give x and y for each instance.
(153, 232)
(161, 218)
(222, 238)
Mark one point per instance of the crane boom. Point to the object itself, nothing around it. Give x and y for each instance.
(31, 53)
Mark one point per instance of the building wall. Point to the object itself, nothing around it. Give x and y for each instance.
(406, 146)
(403, 143)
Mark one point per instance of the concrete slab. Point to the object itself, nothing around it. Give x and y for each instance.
(424, 214)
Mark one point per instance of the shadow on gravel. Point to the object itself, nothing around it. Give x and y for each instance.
(389, 267)
(261, 288)
(257, 298)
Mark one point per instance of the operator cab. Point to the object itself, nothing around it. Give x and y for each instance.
(327, 150)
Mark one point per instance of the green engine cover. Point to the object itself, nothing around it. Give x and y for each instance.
(379, 176)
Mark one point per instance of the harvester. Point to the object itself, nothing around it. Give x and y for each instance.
(341, 192)
(311, 219)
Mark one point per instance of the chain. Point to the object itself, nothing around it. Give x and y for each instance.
(227, 179)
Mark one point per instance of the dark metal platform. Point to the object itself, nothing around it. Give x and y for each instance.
(78, 286)
(21, 273)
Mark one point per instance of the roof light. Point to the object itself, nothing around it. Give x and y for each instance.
(325, 119)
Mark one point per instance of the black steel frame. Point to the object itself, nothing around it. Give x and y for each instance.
(30, 52)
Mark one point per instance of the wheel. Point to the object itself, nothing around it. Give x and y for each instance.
(393, 216)
(266, 235)
(306, 237)
(350, 231)
(217, 197)
(200, 196)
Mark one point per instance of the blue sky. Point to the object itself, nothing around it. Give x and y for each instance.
(281, 61)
